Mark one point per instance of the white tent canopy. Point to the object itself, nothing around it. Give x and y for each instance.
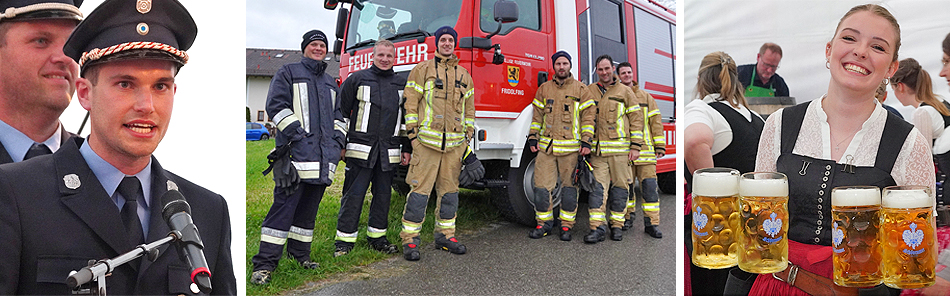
(802, 28)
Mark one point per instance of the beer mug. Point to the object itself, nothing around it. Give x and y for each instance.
(907, 232)
(856, 214)
(763, 206)
(715, 219)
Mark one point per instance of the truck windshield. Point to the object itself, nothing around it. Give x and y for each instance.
(382, 19)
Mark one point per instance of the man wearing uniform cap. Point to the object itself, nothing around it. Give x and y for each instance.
(98, 198)
(303, 101)
(562, 126)
(440, 122)
(37, 80)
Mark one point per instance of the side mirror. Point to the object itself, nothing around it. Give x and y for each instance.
(341, 22)
(330, 4)
(505, 11)
(337, 47)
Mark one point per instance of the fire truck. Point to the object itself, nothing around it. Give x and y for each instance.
(506, 46)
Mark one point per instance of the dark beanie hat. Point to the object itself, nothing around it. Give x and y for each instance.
(311, 36)
(446, 30)
(561, 53)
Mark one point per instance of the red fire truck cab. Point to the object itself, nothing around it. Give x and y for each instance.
(508, 67)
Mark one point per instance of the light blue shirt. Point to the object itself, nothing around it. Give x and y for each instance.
(110, 177)
(17, 143)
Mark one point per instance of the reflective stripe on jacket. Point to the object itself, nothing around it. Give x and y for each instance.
(440, 103)
(619, 122)
(653, 136)
(371, 99)
(303, 101)
(563, 116)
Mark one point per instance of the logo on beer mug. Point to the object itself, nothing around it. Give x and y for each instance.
(700, 219)
(913, 238)
(772, 227)
(837, 235)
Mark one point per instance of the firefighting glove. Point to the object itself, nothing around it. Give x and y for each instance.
(533, 143)
(472, 169)
(294, 134)
(285, 174)
(583, 175)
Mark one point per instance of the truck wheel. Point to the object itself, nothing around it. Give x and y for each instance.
(667, 182)
(515, 201)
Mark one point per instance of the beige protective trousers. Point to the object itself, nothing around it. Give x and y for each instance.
(548, 170)
(613, 176)
(646, 173)
(427, 168)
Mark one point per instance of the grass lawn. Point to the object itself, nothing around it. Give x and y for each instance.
(475, 212)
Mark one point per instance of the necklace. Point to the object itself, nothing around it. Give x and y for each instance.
(851, 135)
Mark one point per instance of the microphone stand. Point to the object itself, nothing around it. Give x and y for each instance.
(98, 270)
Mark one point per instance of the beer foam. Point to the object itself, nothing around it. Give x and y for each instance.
(715, 184)
(853, 197)
(907, 199)
(763, 187)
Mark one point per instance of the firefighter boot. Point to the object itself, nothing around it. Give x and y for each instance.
(382, 245)
(411, 250)
(566, 233)
(449, 244)
(542, 230)
(616, 233)
(596, 235)
(628, 223)
(342, 248)
(652, 230)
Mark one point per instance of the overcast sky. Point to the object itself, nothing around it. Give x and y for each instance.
(281, 23)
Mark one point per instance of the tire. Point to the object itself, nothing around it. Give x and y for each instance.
(264, 137)
(667, 182)
(515, 201)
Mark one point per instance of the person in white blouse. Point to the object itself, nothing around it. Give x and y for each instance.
(720, 131)
(836, 140)
(912, 87)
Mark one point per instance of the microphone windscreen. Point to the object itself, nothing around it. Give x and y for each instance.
(174, 203)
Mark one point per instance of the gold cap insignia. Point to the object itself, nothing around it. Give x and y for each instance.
(143, 6)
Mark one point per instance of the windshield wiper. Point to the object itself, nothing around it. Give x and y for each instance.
(417, 32)
(361, 44)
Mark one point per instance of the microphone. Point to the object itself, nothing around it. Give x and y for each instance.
(177, 213)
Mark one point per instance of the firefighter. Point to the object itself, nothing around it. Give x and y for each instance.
(562, 126)
(440, 121)
(644, 168)
(617, 142)
(371, 100)
(303, 101)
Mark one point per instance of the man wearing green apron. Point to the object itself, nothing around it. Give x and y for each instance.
(759, 79)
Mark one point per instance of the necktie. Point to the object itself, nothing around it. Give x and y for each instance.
(131, 190)
(37, 149)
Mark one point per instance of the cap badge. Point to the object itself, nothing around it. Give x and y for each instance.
(141, 28)
(71, 181)
(171, 185)
(143, 6)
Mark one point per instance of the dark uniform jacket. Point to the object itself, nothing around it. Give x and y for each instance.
(303, 101)
(6, 158)
(49, 229)
(371, 100)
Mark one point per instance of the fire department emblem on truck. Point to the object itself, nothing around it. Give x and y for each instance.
(514, 72)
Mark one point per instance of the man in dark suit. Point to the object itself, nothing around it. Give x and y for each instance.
(37, 80)
(99, 198)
